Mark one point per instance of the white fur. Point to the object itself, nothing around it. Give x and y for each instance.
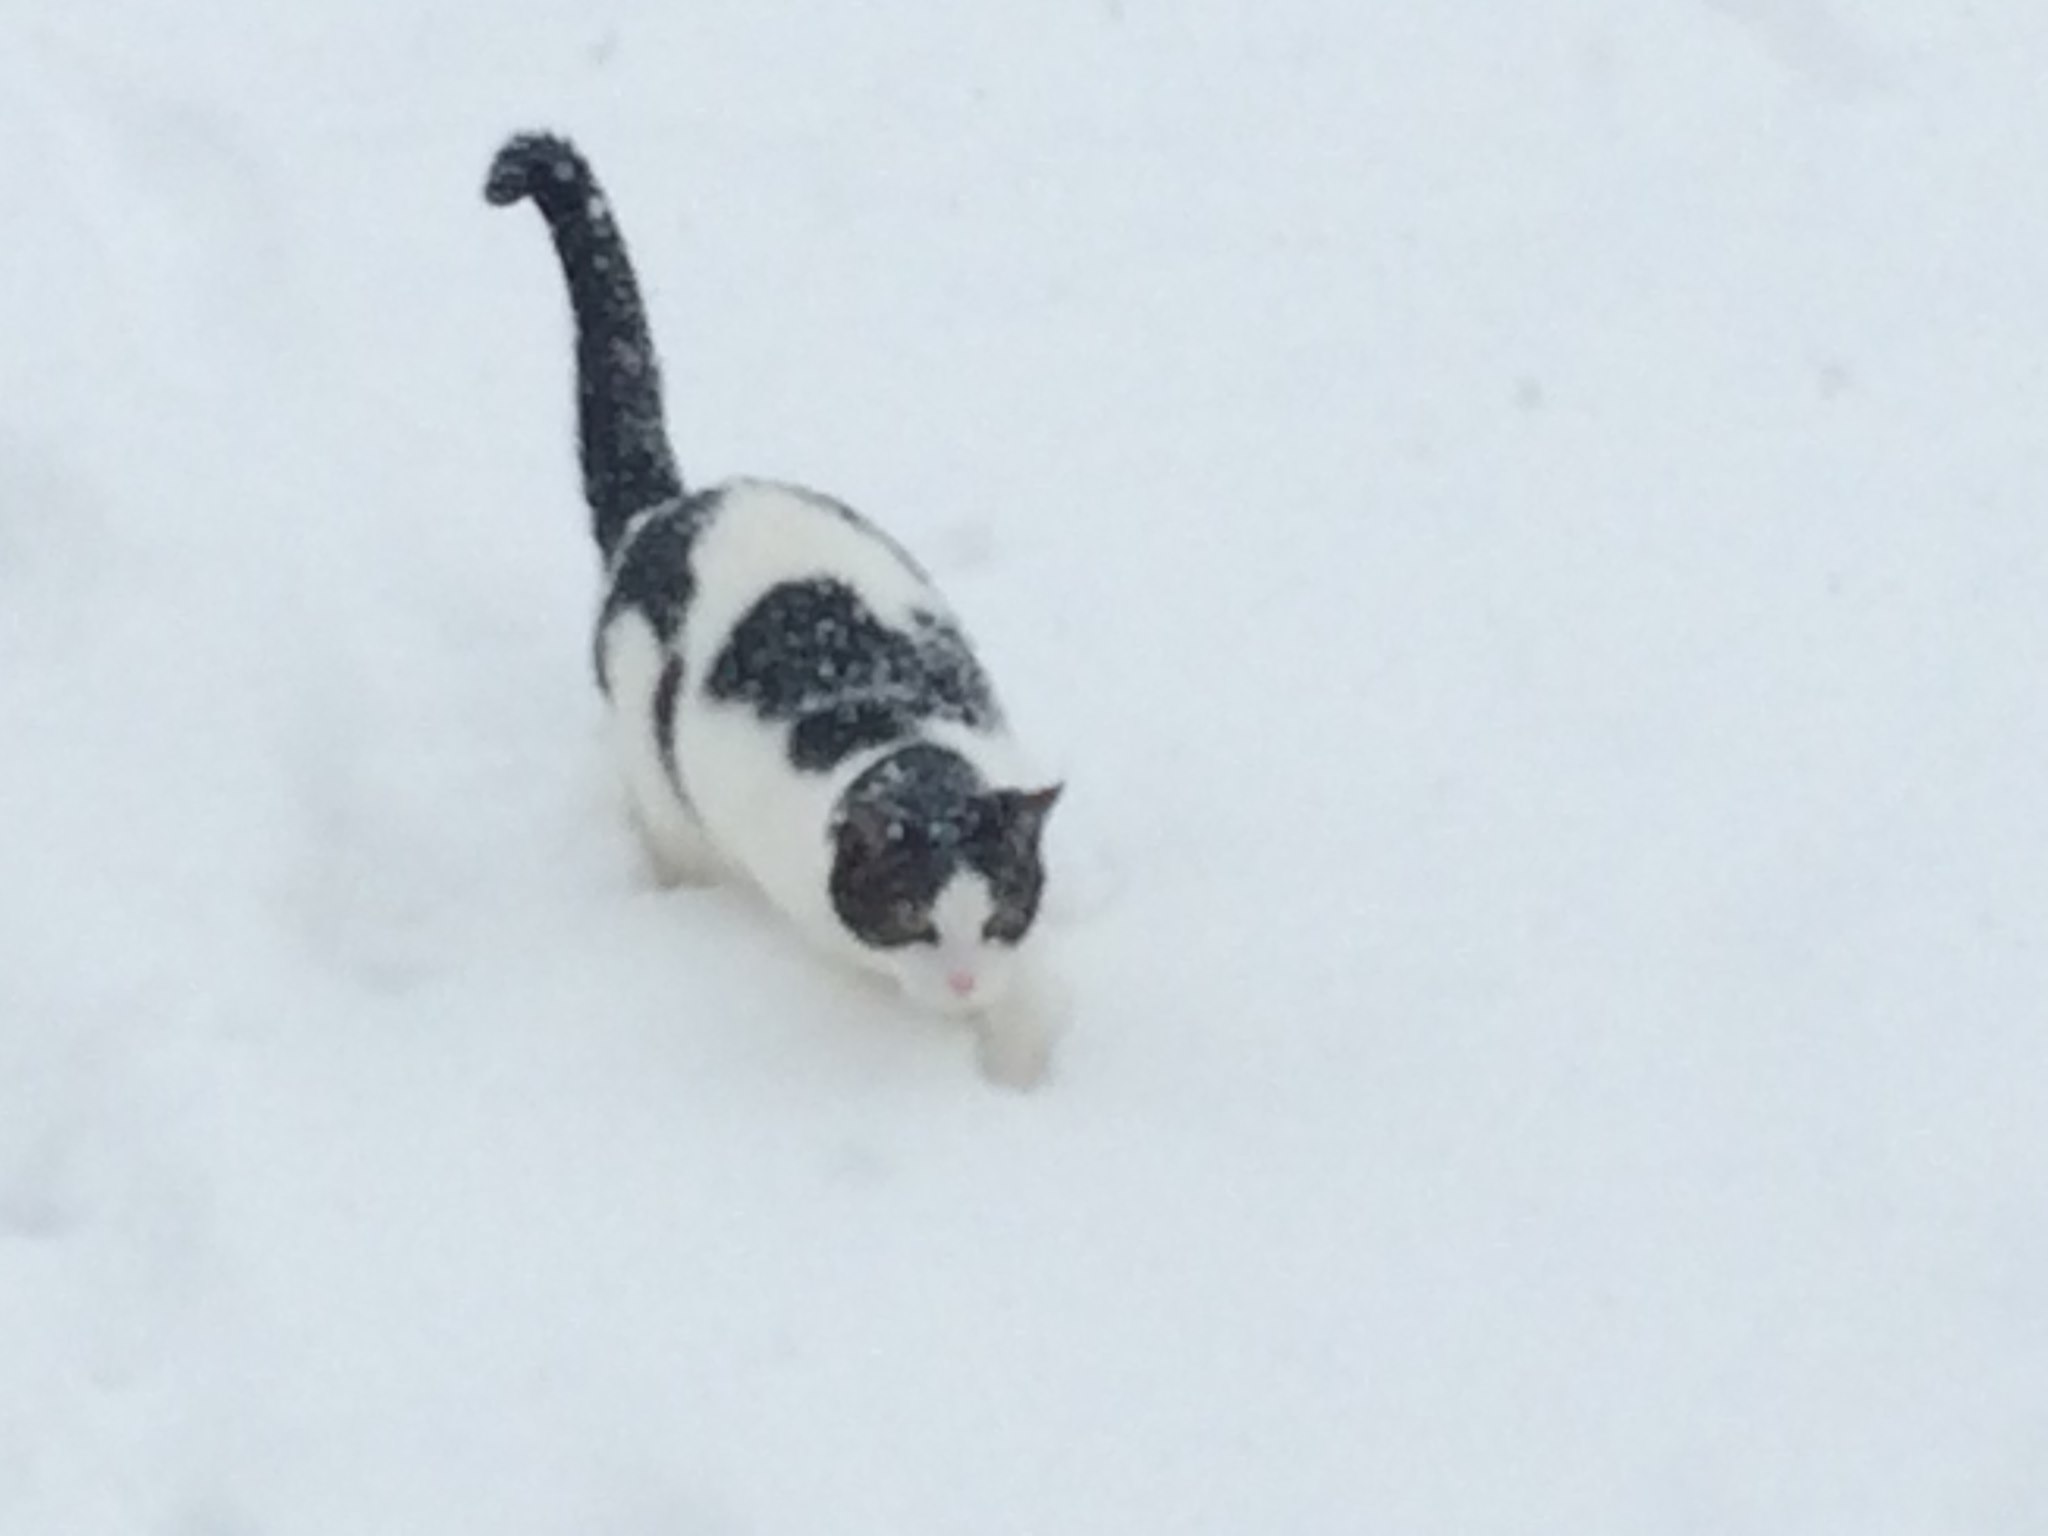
(751, 813)
(959, 914)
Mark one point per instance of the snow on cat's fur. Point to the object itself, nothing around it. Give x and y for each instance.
(792, 700)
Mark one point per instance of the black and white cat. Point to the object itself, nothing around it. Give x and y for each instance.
(793, 702)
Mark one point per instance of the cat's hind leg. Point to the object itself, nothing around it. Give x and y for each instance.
(642, 683)
(679, 851)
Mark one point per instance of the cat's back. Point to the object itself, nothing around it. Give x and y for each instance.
(813, 643)
(769, 536)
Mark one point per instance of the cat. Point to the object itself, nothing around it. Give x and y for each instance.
(792, 702)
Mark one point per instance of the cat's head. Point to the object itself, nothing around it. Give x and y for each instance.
(941, 876)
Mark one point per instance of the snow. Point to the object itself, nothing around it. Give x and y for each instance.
(1521, 526)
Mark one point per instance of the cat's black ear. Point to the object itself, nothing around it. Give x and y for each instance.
(1022, 812)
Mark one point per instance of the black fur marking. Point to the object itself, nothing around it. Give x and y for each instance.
(628, 465)
(665, 691)
(654, 576)
(821, 741)
(899, 835)
(812, 653)
(1006, 849)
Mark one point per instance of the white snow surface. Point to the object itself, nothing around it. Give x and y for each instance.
(1523, 526)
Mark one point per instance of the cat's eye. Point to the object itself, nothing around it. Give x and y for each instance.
(910, 925)
(1004, 928)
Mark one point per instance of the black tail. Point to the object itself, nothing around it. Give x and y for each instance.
(628, 465)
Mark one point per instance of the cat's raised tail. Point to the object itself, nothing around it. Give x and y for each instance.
(628, 465)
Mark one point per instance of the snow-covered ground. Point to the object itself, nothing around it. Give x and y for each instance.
(1523, 525)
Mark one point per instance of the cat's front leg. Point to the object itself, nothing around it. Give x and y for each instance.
(1017, 1035)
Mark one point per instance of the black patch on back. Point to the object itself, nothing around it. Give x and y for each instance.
(653, 576)
(813, 654)
(822, 740)
(921, 785)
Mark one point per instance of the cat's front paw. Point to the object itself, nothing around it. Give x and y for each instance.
(1015, 1055)
(1015, 1041)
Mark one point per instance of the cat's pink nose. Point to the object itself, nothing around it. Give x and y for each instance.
(960, 983)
